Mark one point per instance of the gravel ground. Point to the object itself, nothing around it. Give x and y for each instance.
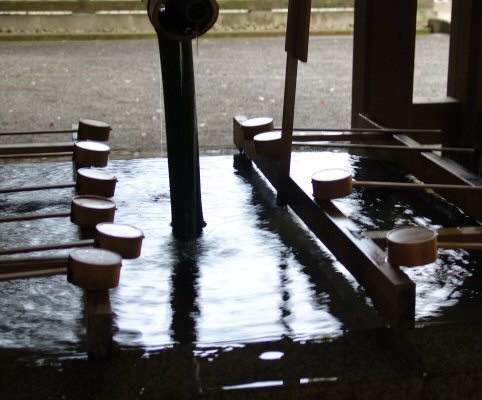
(53, 84)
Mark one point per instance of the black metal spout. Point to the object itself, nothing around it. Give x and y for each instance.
(176, 23)
(182, 138)
(182, 19)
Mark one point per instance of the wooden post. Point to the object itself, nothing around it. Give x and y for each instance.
(383, 61)
(99, 324)
(465, 74)
(296, 46)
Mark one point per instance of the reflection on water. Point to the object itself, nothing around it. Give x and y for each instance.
(255, 272)
(184, 293)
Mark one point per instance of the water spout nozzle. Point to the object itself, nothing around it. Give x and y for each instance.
(182, 19)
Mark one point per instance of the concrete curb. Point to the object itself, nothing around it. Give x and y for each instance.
(136, 25)
(30, 37)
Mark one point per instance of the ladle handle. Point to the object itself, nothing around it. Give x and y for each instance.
(460, 245)
(46, 247)
(48, 132)
(402, 185)
(24, 268)
(300, 140)
(30, 217)
(33, 188)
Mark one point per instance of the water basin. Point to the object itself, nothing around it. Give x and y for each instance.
(255, 274)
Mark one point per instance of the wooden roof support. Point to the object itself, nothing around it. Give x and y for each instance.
(383, 61)
(465, 74)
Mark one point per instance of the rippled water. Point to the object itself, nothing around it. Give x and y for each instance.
(255, 273)
(450, 288)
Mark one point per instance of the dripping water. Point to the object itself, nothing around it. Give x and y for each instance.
(161, 112)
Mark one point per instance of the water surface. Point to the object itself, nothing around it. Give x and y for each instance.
(255, 273)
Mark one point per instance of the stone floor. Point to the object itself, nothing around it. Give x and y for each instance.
(53, 84)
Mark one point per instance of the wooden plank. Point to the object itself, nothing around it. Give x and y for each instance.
(392, 292)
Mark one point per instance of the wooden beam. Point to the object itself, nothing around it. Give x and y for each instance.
(465, 73)
(383, 61)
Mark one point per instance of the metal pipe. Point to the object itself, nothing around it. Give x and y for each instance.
(182, 138)
(177, 22)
